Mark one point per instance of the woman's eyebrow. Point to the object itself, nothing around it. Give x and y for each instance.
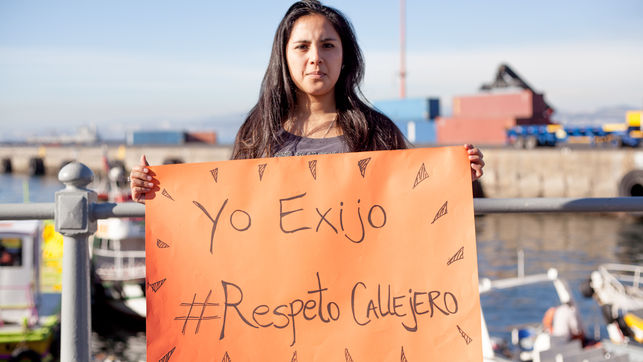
(309, 41)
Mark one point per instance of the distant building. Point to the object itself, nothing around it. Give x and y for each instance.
(85, 135)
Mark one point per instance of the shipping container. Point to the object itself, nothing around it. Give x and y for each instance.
(524, 105)
(434, 109)
(633, 118)
(418, 133)
(201, 137)
(135, 138)
(460, 130)
(410, 109)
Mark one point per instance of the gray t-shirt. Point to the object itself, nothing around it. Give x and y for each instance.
(301, 146)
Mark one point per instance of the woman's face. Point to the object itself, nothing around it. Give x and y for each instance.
(314, 55)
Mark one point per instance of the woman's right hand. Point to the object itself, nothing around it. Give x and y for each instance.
(141, 182)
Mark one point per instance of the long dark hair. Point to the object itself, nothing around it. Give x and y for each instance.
(364, 128)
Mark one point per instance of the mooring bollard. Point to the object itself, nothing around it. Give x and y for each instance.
(73, 219)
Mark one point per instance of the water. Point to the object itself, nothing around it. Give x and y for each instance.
(15, 188)
(575, 244)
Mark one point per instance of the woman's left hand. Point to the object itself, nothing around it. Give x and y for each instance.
(475, 160)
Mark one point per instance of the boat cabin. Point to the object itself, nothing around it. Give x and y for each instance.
(19, 271)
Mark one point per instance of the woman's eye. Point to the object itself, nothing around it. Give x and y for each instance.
(301, 47)
(329, 45)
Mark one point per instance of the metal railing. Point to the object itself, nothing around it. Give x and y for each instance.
(558, 205)
(75, 212)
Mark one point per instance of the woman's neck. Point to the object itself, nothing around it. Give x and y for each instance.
(314, 117)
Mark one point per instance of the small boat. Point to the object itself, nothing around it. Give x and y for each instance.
(536, 342)
(29, 316)
(617, 290)
(118, 264)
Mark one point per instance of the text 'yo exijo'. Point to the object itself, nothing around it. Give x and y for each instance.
(241, 220)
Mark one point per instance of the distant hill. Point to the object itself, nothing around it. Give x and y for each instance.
(226, 126)
(611, 114)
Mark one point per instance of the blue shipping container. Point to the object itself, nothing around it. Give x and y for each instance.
(418, 133)
(410, 109)
(156, 138)
(434, 108)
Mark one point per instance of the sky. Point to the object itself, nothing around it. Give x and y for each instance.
(120, 64)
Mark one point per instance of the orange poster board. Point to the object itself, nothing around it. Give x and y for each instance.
(366, 256)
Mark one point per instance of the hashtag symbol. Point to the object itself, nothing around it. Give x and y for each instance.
(190, 317)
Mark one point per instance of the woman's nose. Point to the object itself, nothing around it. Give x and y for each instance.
(314, 56)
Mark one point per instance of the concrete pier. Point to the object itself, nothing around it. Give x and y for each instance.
(54, 157)
(561, 172)
(548, 172)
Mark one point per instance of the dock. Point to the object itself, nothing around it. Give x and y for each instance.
(509, 172)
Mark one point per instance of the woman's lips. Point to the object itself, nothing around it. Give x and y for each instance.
(316, 74)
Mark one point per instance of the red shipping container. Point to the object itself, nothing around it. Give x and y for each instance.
(461, 130)
(524, 105)
(201, 137)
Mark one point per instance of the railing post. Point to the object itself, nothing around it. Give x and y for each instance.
(75, 222)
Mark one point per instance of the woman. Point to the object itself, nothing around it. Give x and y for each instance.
(310, 101)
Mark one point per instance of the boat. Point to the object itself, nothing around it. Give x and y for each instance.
(533, 342)
(617, 290)
(29, 314)
(118, 252)
(118, 264)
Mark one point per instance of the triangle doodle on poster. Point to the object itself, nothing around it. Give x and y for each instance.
(403, 358)
(226, 358)
(459, 255)
(161, 244)
(362, 165)
(215, 174)
(312, 165)
(167, 194)
(441, 212)
(347, 355)
(167, 356)
(421, 175)
(262, 168)
(157, 285)
(294, 357)
(466, 337)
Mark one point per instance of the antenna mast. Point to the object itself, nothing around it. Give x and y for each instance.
(402, 49)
